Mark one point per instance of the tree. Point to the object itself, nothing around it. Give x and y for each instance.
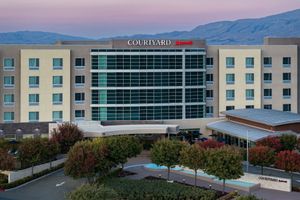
(166, 153)
(288, 141)
(298, 144)
(193, 157)
(66, 134)
(123, 147)
(87, 159)
(262, 156)
(210, 143)
(272, 142)
(288, 161)
(224, 163)
(7, 162)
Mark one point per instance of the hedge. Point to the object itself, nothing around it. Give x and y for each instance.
(156, 189)
(29, 178)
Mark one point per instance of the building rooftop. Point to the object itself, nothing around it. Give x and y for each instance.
(240, 131)
(263, 116)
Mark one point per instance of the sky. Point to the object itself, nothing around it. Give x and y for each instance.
(107, 18)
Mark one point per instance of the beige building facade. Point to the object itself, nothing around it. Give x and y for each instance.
(70, 74)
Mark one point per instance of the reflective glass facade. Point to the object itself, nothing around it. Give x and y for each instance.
(147, 84)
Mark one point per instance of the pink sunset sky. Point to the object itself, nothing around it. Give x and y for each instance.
(105, 18)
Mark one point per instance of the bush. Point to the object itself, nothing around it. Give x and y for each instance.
(66, 134)
(93, 192)
(3, 178)
(288, 142)
(157, 189)
(249, 197)
(7, 161)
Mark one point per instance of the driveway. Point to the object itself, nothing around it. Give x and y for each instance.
(54, 186)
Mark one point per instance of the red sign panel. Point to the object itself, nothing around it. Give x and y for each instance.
(178, 42)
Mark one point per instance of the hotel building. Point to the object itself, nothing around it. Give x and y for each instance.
(145, 79)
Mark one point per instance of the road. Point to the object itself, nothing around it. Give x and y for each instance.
(55, 186)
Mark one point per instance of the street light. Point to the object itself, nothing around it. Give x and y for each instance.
(247, 151)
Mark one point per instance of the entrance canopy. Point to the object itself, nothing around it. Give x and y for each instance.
(240, 130)
(95, 129)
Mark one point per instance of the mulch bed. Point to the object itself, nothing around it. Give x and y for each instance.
(219, 193)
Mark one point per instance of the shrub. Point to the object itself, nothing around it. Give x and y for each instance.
(272, 142)
(93, 192)
(210, 144)
(66, 134)
(249, 197)
(288, 141)
(157, 189)
(3, 178)
(262, 156)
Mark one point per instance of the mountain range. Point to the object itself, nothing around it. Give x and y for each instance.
(243, 31)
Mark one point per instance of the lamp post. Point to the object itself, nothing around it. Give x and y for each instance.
(247, 151)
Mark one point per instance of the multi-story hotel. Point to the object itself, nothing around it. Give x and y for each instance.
(145, 79)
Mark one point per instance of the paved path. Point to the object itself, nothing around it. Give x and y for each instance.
(53, 187)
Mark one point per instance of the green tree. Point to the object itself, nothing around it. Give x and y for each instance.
(224, 163)
(193, 157)
(66, 134)
(87, 159)
(288, 141)
(166, 153)
(93, 192)
(123, 147)
(262, 156)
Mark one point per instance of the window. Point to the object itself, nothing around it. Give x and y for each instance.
(57, 81)
(249, 78)
(34, 81)
(34, 116)
(249, 106)
(286, 107)
(79, 81)
(57, 98)
(9, 81)
(249, 94)
(209, 94)
(57, 63)
(268, 106)
(267, 61)
(286, 77)
(286, 61)
(8, 116)
(267, 93)
(267, 77)
(34, 63)
(229, 107)
(230, 78)
(230, 95)
(79, 114)
(209, 111)
(9, 64)
(57, 116)
(34, 99)
(79, 63)
(249, 62)
(79, 98)
(209, 78)
(230, 62)
(209, 62)
(286, 93)
(8, 99)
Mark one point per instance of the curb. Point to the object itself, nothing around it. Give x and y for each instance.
(34, 180)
